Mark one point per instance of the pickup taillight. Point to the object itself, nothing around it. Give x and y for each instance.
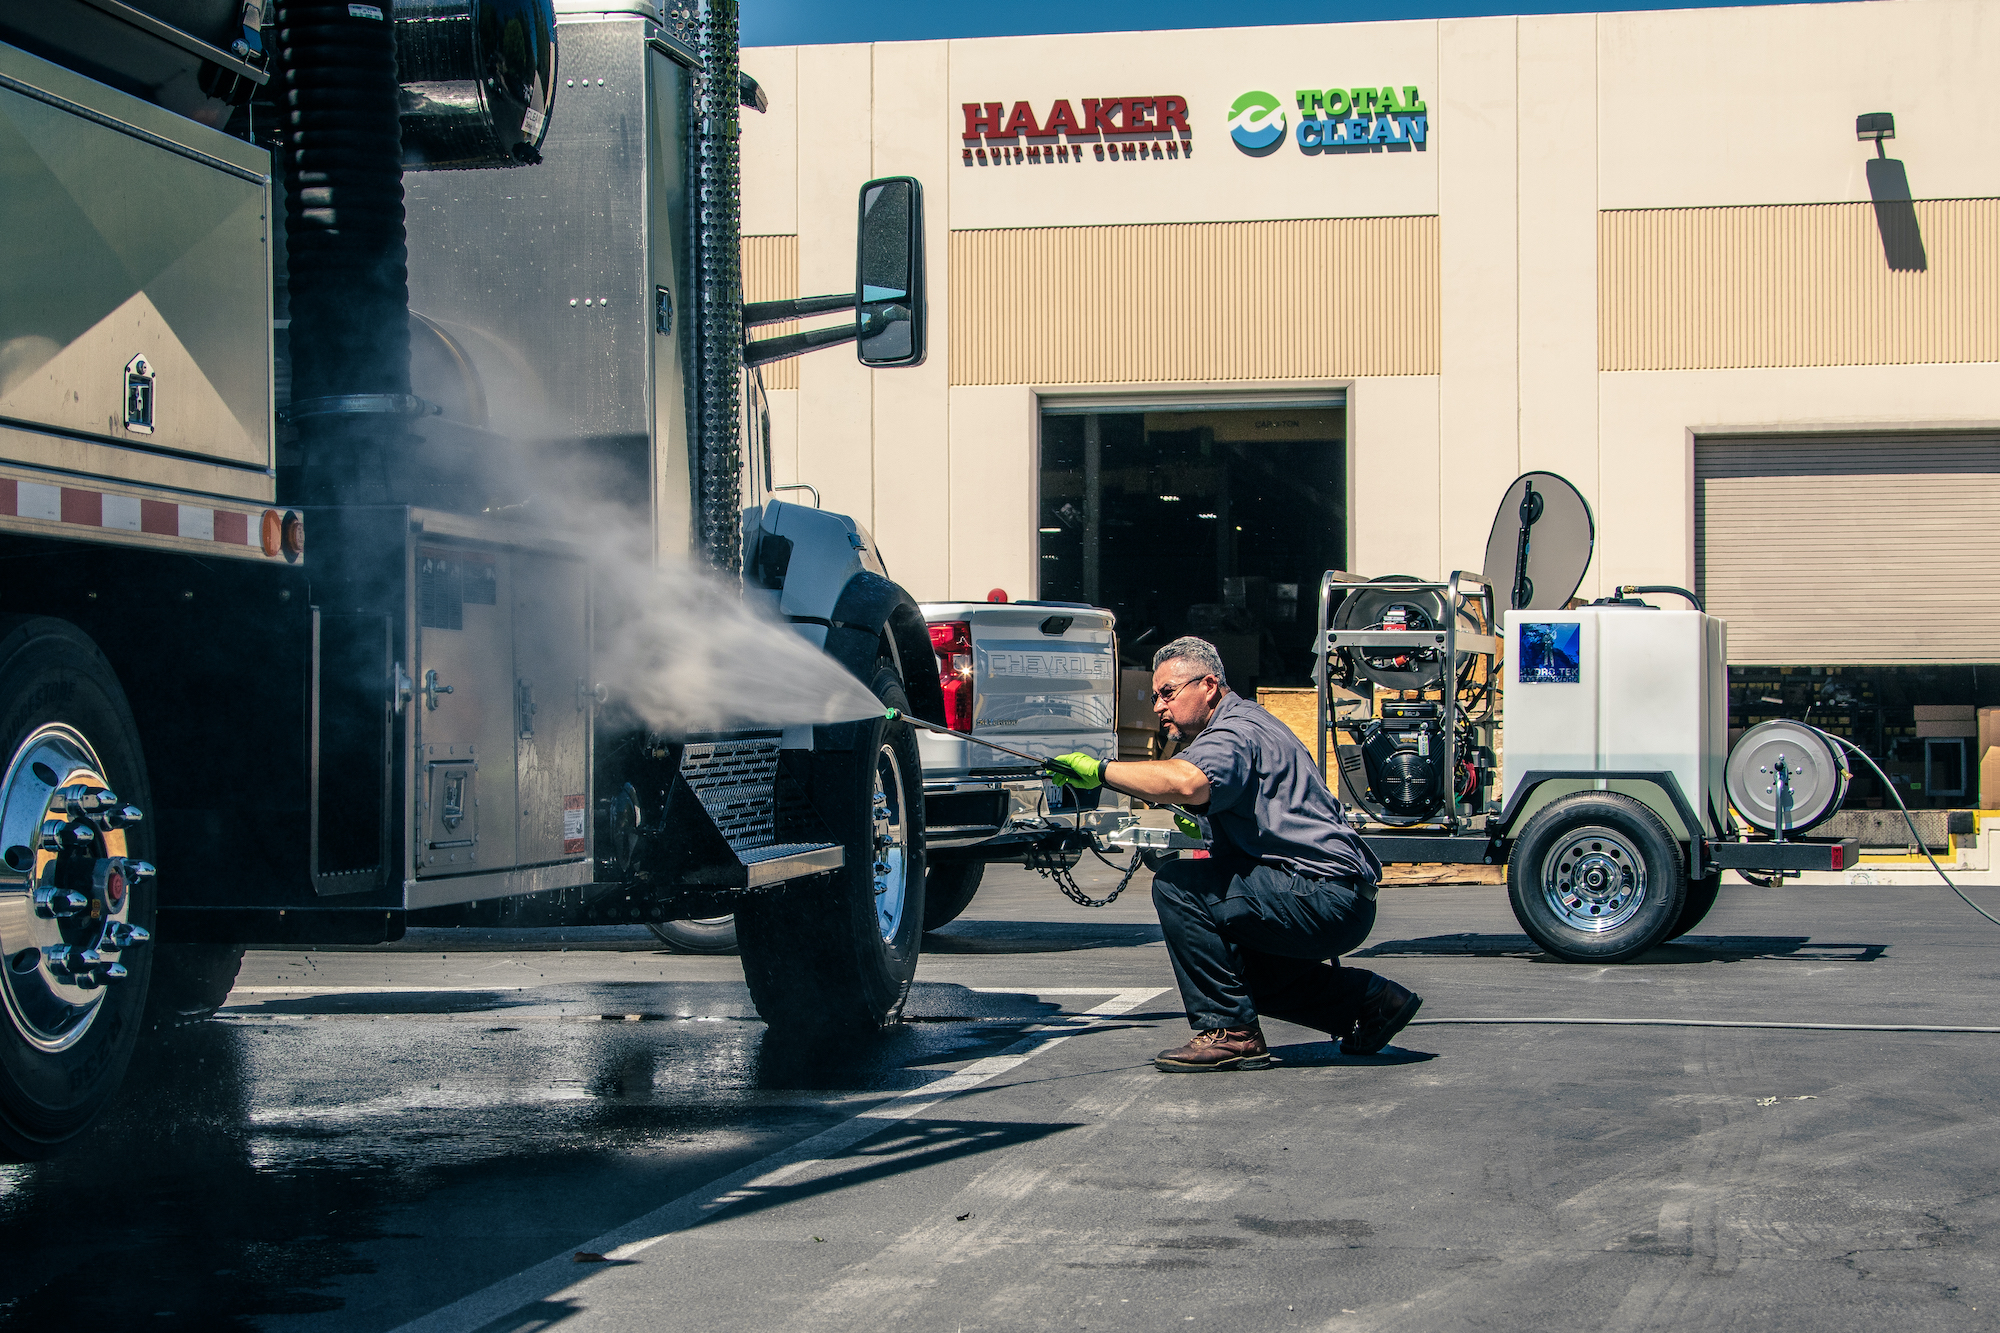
(951, 640)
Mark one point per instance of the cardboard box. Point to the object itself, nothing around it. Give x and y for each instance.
(1946, 713)
(1988, 750)
(1967, 727)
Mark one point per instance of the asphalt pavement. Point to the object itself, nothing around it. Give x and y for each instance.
(577, 1131)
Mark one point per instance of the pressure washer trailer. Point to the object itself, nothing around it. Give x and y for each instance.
(1621, 802)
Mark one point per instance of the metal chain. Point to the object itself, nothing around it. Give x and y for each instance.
(1050, 866)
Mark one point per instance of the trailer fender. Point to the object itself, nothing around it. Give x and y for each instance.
(1661, 779)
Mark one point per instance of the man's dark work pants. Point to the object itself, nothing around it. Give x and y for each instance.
(1262, 941)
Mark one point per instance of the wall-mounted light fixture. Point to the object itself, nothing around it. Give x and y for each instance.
(1875, 125)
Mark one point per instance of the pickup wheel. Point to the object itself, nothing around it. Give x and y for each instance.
(76, 901)
(190, 982)
(836, 952)
(1595, 877)
(948, 890)
(707, 934)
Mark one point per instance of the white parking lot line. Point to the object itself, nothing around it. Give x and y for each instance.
(558, 1274)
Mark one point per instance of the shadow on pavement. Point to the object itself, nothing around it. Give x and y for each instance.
(1324, 1054)
(1039, 936)
(910, 1147)
(1687, 949)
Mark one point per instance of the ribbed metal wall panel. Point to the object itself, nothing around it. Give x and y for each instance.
(1853, 550)
(1799, 285)
(771, 273)
(1309, 299)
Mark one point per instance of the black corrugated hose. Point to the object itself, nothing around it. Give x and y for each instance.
(349, 274)
(719, 331)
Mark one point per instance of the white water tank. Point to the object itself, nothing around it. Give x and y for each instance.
(1618, 688)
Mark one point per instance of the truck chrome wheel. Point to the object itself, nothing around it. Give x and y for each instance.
(66, 887)
(1592, 880)
(892, 840)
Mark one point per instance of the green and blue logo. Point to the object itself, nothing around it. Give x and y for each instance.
(1370, 119)
(1257, 122)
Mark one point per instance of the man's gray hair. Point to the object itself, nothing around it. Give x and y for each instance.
(1199, 654)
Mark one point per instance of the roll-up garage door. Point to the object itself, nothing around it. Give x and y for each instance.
(1830, 551)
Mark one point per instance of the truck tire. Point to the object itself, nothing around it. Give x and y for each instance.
(1595, 877)
(1701, 895)
(948, 891)
(708, 934)
(64, 1045)
(190, 982)
(835, 953)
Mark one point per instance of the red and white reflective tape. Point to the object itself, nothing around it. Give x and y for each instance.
(264, 533)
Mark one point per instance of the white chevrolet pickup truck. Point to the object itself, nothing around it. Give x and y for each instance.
(1038, 677)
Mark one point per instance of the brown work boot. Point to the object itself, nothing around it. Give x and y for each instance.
(1217, 1048)
(1384, 1011)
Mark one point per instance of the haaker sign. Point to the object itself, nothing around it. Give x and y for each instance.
(1390, 118)
(1106, 129)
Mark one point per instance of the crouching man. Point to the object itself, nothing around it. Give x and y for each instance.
(1258, 927)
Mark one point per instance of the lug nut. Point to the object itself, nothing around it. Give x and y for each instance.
(52, 831)
(125, 935)
(59, 903)
(139, 870)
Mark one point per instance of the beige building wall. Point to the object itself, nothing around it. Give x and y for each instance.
(1624, 231)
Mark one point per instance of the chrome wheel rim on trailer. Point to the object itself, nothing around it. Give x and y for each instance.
(1593, 880)
(892, 840)
(65, 887)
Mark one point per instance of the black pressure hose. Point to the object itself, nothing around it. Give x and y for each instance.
(348, 261)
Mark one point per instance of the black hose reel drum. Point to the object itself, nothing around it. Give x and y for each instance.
(478, 80)
(1784, 777)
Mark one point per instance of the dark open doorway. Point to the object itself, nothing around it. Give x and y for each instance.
(1209, 522)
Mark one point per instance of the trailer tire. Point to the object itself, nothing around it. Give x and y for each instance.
(831, 954)
(708, 934)
(1596, 877)
(948, 890)
(1701, 895)
(58, 1069)
(190, 982)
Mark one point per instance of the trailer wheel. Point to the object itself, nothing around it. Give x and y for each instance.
(836, 952)
(704, 934)
(1701, 895)
(948, 891)
(190, 982)
(1595, 877)
(76, 900)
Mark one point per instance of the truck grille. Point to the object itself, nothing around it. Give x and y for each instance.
(734, 780)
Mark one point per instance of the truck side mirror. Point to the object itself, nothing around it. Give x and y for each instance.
(889, 273)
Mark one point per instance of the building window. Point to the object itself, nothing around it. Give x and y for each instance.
(1214, 522)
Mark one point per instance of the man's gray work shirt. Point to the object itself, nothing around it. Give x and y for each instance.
(1267, 800)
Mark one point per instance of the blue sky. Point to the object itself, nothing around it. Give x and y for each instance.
(803, 22)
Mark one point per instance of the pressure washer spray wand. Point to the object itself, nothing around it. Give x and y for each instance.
(895, 714)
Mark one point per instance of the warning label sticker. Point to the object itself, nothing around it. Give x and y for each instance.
(573, 825)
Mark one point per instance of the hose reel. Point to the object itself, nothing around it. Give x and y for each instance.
(1783, 777)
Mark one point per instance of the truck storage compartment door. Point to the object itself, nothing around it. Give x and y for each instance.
(135, 300)
(552, 706)
(464, 705)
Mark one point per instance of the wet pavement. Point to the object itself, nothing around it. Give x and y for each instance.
(426, 1135)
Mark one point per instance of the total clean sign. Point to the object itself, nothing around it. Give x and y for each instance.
(1388, 118)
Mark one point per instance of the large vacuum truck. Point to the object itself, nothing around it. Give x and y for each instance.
(367, 372)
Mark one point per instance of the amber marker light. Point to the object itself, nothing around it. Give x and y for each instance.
(293, 538)
(272, 532)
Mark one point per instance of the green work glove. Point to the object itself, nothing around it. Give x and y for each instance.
(1187, 825)
(1075, 770)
